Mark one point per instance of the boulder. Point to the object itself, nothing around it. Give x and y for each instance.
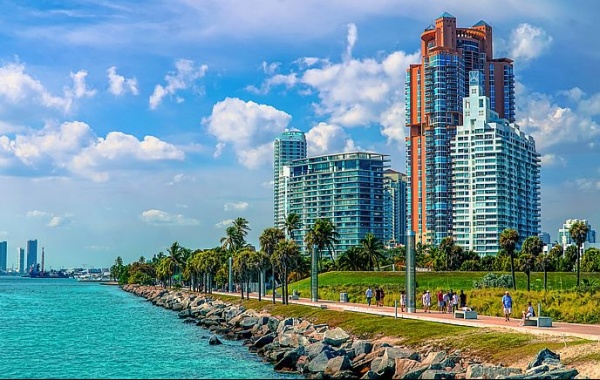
(319, 363)
(184, 313)
(335, 337)
(264, 340)
(314, 349)
(400, 353)
(283, 323)
(362, 347)
(214, 340)
(337, 364)
(248, 322)
(404, 366)
(288, 339)
(480, 371)
(433, 374)
(545, 356)
(289, 359)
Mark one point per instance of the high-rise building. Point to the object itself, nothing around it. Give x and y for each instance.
(3, 255)
(545, 237)
(346, 188)
(290, 145)
(564, 236)
(495, 176)
(21, 260)
(394, 208)
(434, 91)
(31, 254)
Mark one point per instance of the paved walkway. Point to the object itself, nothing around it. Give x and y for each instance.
(591, 332)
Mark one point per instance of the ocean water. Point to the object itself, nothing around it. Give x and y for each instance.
(61, 328)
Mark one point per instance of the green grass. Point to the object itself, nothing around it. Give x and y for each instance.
(489, 344)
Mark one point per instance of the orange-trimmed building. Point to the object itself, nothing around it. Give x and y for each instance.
(434, 92)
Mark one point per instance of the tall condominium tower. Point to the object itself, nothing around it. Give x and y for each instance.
(3, 255)
(31, 254)
(394, 209)
(290, 145)
(496, 176)
(434, 92)
(346, 188)
(21, 260)
(564, 236)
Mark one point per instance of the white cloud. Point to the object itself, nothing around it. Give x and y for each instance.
(162, 218)
(224, 223)
(553, 160)
(180, 177)
(36, 214)
(528, 42)
(250, 128)
(119, 85)
(183, 78)
(79, 89)
(326, 138)
(59, 221)
(236, 206)
(584, 184)
(53, 220)
(351, 38)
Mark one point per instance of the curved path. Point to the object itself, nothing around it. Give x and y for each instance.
(590, 332)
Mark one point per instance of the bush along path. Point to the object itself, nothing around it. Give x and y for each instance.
(320, 351)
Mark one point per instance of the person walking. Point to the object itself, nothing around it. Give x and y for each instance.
(426, 302)
(369, 295)
(377, 295)
(463, 299)
(440, 300)
(507, 303)
(454, 301)
(402, 301)
(381, 296)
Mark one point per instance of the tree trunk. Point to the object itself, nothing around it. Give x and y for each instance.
(273, 281)
(259, 286)
(512, 270)
(242, 286)
(285, 285)
(545, 277)
(248, 288)
(578, 254)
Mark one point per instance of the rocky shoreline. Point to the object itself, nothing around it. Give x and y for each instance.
(321, 351)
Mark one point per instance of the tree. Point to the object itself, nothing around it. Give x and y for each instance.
(373, 250)
(116, 269)
(578, 232)
(530, 250)
(324, 236)
(286, 256)
(508, 242)
(291, 224)
(352, 259)
(268, 241)
(241, 231)
(243, 266)
(590, 262)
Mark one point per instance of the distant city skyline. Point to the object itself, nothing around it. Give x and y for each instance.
(125, 128)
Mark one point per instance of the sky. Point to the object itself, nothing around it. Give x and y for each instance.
(126, 126)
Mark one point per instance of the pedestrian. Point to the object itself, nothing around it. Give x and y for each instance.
(402, 301)
(369, 295)
(440, 299)
(507, 305)
(527, 313)
(455, 301)
(463, 299)
(448, 299)
(381, 296)
(445, 302)
(377, 295)
(426, 302)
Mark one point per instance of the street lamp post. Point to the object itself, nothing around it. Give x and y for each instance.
(314, 276)
(411, 305)
(230, 263)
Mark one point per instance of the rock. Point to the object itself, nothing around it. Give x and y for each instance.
(264, 340)
(542, 357)
(289, 359)
(337, 364)
(335, 337)
(370, 375)
(479, 371)
(248, 322)
(314, 349)
(362, 347)
(319, 363)
(214, 340)
(288, 340)
(416, 372)
(432, 374)
(184, 313)
(189, 320)
(285, 322)
(345, 374)
(401, 353)
(404, 366)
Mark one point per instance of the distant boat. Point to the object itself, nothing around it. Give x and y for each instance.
(93, 277)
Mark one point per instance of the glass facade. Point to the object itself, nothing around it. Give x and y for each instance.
(394, 208)
(346, 188)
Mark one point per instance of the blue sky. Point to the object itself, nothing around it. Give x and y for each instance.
(125, 127)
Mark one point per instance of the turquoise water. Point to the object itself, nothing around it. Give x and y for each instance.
(61, 328)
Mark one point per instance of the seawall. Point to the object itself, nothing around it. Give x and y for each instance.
(321, 351)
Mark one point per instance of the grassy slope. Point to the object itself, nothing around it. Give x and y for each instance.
(493, 345)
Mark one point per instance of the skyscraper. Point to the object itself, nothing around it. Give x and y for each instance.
(346, 188)
(564, 235)
(434, 92)
(3, 255)
(495, 176)
(21, 260)
(394, 209)
(290, 145)
(31, 254)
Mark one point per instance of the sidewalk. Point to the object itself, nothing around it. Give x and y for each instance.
(563, 329)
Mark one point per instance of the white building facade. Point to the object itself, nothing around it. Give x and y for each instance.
(564, 236)
(496, 176)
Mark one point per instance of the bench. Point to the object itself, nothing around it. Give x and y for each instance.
(538, 321)
(465, 314)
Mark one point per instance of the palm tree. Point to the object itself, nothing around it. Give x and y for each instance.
(177, 254)
(508, 242)
(373, 249)
(286, 256)
(268, 241)
(291, 224)
(578, 232)
(352, 260)
(241, 231)
(242, 265)
(324, 236)
(532, 247)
